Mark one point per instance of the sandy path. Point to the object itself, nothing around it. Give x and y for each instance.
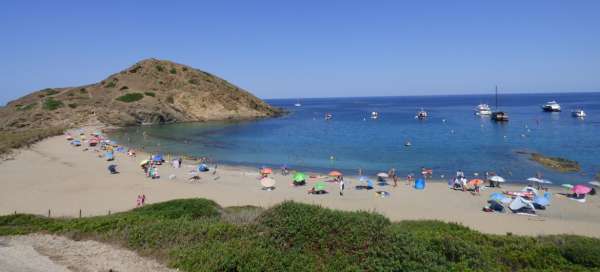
(54, 175)
(49, 253)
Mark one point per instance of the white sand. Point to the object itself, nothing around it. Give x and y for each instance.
(49, 253)
(54, 175)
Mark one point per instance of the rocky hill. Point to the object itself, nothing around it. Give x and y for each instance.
(149, 92)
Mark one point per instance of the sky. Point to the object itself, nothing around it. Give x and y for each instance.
(288, 49)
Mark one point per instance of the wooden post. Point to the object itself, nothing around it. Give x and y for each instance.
(79, 213)
(108, 212)
(48, 212)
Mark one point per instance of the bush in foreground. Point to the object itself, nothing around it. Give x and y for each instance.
(198, 235)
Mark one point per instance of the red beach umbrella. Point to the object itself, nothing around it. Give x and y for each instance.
(335, 173)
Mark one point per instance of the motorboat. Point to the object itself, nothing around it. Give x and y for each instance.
(328, 116)
(374, 115)
(499, 116)
(579, 113)
(483, 110)
(297, 104)
(551, 106)
(422, 114)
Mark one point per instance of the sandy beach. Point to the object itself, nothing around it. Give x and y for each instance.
(53, 175)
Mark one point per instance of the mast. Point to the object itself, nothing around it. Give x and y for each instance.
(496, 97)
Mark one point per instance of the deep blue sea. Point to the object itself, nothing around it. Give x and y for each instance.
(451, 138)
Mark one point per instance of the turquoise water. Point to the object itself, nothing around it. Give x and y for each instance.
(452, 138)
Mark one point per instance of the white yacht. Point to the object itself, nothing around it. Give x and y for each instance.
(374, 115)
(551, 106)
(422, 114)
(297, 104)
(483, 109)
(579, 113)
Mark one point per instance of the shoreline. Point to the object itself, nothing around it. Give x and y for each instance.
(54, 175)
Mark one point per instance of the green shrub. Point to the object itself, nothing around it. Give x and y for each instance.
(123, 88)
(70, 94)
(160, 68)
(173, 71)
(111, 84)
(150, 94)
(50, 91)
(82, 90)
(170, 100)
(52, 104)
(26, 107)
(198, 235)
(130, 97)
(72, 105)
(194, 81)
(16, 139)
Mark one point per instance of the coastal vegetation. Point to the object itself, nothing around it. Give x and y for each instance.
(556, 163)
(152, 94)
(199, 235)
(16, 139)
(52, 104)
(130, 97)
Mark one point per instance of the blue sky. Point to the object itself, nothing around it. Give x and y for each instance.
(310, 48)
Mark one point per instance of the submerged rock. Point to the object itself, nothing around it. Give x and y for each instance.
(556, 163)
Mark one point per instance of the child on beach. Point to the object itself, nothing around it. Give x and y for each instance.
(409, 179)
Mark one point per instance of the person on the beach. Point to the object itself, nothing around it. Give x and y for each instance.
(139, 201)
(392, 175)
(342, 185)
(143, 199)
(360, 172)
(409, 179)
(460, 174)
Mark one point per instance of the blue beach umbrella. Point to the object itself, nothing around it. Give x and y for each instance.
(500, 197)
(542, 201)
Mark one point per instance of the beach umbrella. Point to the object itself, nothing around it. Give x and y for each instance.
(320, 186)
(266, 170)
(267, 182)
(566, 185)
(382, 175)
(497, 179)
(595, 183)
(581, 189)
(541, 200)
(299, 176)
(475, 182)
(335, 173)
(534, 179)
(500, 197)
(144, 162)
(363, 179)
(545, 181)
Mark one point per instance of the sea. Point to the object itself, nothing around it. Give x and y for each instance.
(452, 137)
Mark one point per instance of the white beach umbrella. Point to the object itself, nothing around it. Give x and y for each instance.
(382, 175)
(267, 182)
(497, 179)
(545, 181)
(595, 183)
(566, 185)
(534, 179)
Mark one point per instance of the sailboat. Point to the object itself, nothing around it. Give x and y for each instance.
(499, 116)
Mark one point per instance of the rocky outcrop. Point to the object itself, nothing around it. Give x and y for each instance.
(149, 92)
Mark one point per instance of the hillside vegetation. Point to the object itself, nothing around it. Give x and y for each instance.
(198, 235)
(151, 91)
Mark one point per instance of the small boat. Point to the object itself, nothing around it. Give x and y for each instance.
(483, 110)
(578, 113)
(407, 144)
(297, 104)
(499, 116)
(422, 114)
(328, 116)
(551, 106)
(374, 115)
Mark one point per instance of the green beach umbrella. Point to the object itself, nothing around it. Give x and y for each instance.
(299, 176)
(320, 186)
